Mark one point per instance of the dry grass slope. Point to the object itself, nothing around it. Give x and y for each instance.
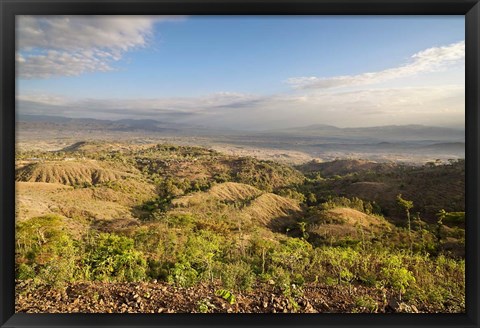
(228, 191)
(339, 223)
(356, 218)
(38, 198)
(273, 210)
(256, 206)
(69, 172)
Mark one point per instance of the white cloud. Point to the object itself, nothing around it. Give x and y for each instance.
(429, 60)
(51, 46)
(45, 99)
(431, 105)
(216, 100)
(172, 109)
(59, 63)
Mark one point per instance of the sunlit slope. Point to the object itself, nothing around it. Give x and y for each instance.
(346, 223)
(82, 189)
(247, 203)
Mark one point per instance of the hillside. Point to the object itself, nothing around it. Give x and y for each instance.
(70, 172)
(432, 187)
(240, 205)
(340, 225)
(253, 235)
(344, 167)
(227, 192)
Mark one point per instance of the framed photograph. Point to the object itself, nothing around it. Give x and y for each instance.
(208, 163)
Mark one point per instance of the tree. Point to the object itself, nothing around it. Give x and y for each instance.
(303, 229)
(407, 206)
(441, 216)
(311, 199)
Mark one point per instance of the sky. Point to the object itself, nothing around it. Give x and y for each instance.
(244, 72)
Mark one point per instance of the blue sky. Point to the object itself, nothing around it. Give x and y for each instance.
(219, 69)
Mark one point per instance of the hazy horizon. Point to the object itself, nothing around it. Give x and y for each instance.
(36, 117)
(245, 73)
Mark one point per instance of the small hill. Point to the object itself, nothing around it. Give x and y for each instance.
(235, 201)
(345, 224)
(272, 210)
(353, 217)
(227, 192)
(94, 146)
(265, 175)
(39, 198)
(195, 163)
(80, 189)
(70, 172)
(343, 167)
(233, 191)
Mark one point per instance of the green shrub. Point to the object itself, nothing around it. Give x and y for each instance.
(340, 262)
(45, 250)
(205, 306)
(396, 275)
(293, 194)
(365, 304)
(111, 257)
(281, 277)
(237, 276)
(201, 251)
(294, 255)
(25, 271)
(183, 275)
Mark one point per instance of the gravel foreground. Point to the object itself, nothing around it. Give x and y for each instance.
(99, 297)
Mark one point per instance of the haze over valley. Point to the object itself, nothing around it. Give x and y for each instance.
(409, 143)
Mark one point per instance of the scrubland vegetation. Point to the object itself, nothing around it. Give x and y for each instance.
(192, 217)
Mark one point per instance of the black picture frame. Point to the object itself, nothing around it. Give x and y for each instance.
(10, 8)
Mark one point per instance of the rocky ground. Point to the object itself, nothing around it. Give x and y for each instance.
(155, 297)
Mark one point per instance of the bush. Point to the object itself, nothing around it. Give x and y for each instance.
(396, 275)
(365, 304)
(182, 274)
(111, 257)
(237, 276)
(340, 263)
(281, 277)
(293, 255)
(178, 220)
(201, 251)
(293, 194)
(45, 250)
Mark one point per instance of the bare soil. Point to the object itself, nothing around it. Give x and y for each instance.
(155, 297)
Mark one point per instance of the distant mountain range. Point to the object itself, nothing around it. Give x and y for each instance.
(329, 134)
(387, 133)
